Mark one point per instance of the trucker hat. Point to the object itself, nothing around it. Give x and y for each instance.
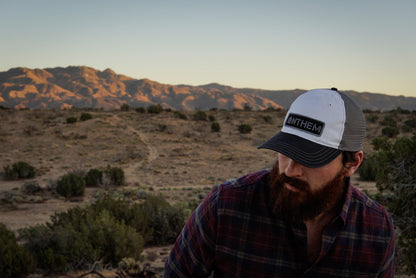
(319, 125)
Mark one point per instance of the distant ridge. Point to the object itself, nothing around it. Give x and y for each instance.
(85, 87)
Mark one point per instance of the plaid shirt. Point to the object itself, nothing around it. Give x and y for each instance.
(234, 233)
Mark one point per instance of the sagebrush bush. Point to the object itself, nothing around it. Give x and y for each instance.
(372, 118)
(124, 107)
(245, 128)
(396, 173)
(116, 175)
(215, 127)
(85, 117)
(180, 115)
(15, 261)
(19, 170)
(200, 116)
(155, 109)
(390, 131)
(71, 120)
(71, 185)
(107, 230)
(389, 121)
(140, 110)
(94, 177)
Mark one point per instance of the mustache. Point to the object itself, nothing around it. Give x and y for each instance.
(297, 183)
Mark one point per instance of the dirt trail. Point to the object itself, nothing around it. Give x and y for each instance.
(152, 152)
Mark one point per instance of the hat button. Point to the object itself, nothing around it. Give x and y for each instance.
(334, 89)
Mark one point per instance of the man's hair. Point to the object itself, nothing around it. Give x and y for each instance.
(348, 157)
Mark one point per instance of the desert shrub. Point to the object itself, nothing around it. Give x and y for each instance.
(155, 109)
(79, 237)
(71, 185)
(85, 117)
(15, 261)
(409, 125)
(200, 116)
(71, 120)
(180, 115)
(245, 128)
(125, 107)
(107, 230)
(116, 175)
(382, 143)
(19, 170)
(162, 127)
(211, 118)
(94, 177)
(215, 127)
(388, 121)
(372, 118)
(164, 221)
(396, 174)
(247, 107)
(390, 131)
(140, 110)
(268, 119)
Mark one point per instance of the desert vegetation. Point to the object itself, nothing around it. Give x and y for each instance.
(111, 185)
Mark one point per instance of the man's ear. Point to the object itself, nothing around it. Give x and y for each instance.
(351, 167)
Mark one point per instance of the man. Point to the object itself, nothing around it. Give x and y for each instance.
(302, 218)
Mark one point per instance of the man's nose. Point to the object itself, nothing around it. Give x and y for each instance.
(293, 169)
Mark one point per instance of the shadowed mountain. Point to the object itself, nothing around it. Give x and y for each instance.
(85, 87)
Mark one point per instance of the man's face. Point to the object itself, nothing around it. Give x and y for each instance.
(300, 193)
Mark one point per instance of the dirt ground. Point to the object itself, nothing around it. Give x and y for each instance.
(159, 153)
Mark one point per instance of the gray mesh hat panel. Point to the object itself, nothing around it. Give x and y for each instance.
(354, 131)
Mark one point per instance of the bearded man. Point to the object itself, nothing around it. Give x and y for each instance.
(303, 217)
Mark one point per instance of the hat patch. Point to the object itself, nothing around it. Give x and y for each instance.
(305, 124)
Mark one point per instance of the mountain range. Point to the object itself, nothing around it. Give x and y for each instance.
(86, 87)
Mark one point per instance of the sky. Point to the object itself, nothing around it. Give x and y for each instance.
(361, 45)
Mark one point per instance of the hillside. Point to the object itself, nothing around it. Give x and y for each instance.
(85, 87)
(161, 154)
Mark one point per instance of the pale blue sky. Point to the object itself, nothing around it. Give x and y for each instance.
(363, 45)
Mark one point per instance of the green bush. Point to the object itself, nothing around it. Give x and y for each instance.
(215, 127)
(107, 230)
(125, 107)
(180, 115)
(372, 118)
(200, 116)
(80, 237)
(390, 131)
(71, 120)
(116, 175)
(94, 177)
(247, 107)
(15, 261)
(245, 128)
(155, 109)
(85, 117)
(19, 170)
(140, 110)
(71, 185)
(165, 221)
(396, 175)
(389, 121)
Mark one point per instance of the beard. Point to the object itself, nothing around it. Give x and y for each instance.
(304, 204)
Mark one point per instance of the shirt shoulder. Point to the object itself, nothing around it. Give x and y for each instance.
(244, 193)
(369, 213)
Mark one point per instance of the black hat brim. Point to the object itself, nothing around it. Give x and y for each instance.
(302, 151)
